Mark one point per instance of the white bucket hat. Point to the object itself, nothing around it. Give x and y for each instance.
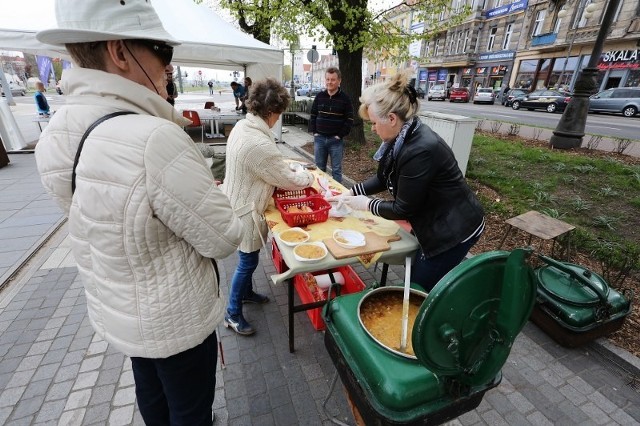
(100, 20)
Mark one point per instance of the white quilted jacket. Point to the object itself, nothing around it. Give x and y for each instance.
(145, 218)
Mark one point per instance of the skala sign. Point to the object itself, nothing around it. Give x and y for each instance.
(620, 59)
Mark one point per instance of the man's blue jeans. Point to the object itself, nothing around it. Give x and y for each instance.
(178, 390)
(242, 283)
(428, 271)
(329, 146)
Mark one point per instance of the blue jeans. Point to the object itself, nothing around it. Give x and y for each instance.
(428, 271)
(178, 390)
(329, 146)
(242, 283)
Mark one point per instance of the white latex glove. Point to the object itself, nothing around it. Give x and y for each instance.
(357, 202)
(336, 198)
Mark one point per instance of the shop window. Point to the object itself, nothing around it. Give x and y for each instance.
(492, 38)
(634, 79)
(526, 72)
(539, 22)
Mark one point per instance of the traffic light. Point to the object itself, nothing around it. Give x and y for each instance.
(313, 47)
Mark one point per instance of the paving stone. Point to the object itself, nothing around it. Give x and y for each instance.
(78, 399)
(54, 357)
(102, 394)
(572, 394)
(493, 418)
(46, 371)
(50, 411)
(59, 391)
(126, 379)
(259, 405)
(539, 419)
(61, 342)
(121, 416)
(521, 403)
(575, 414)
(96, 348)
(73, 417)
(27, 407)
(603, 403)
(237, 406)
(595, 413)
(580, 385)
(73, 358)
(97, 414)
(282, 415)
(4, 414)
(66, 373)
(499, 402)
(91, 364)
(49, 334)
(623, 418)
(37, 388)
(20, 378)
(30, 362)
(125, 396)
(108, 377)
(9, 397)
(85, 380)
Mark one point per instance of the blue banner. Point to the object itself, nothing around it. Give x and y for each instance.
(507, 9)
(44, 68)
(442, 74)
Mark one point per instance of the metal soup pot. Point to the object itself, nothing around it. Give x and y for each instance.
(393, 296)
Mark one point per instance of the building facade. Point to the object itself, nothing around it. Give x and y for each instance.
(525, 44)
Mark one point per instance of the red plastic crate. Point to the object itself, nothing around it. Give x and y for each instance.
(294, 194)
(311, 293)
(319, 206)
(278, 261)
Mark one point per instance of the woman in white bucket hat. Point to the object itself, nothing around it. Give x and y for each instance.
(145, 217)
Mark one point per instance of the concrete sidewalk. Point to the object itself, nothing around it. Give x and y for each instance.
(55, 370)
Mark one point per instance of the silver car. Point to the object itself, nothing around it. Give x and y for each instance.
(437, 92)
(624, 100)
(484, 95)
(16, 90)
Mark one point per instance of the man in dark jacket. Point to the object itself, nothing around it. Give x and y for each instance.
(330, 121)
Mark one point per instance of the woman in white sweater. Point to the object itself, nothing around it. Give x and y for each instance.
(255, 167)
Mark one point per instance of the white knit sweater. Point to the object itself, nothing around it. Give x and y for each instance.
(255, 166)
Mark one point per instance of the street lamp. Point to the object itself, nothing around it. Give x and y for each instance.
(570, 129)
(587, 14)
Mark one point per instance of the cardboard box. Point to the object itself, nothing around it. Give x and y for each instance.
(227, 129)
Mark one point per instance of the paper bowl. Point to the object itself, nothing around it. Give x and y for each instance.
(293, 236)
(349, 239)
(310, 252)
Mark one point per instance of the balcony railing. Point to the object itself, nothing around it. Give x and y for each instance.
(542, 39)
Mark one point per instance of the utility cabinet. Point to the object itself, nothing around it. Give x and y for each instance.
(456, 130)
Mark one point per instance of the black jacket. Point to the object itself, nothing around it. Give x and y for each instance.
(429, 191)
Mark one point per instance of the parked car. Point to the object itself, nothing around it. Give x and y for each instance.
(437, 91)
(484, 95)
(420, 92)
(625, 100)
(16, 90)
(307, 90)
(548, 100)
(512, 95)
(460, 94)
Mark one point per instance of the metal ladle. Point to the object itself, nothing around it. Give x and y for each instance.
(405, 304)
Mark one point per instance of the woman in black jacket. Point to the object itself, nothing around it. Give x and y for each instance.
(420, 171)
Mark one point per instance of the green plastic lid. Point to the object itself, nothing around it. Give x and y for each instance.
(572, 284)
(470, 319)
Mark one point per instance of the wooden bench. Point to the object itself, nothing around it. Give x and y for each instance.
(298, 112)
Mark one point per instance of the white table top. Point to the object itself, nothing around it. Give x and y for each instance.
(406, 246)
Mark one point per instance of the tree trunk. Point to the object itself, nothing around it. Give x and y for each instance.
(351, 70)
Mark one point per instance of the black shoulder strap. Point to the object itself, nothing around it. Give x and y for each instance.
(84, 137)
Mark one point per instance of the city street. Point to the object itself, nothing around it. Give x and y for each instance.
(614, 126)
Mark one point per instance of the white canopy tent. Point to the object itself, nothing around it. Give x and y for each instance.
(207, 40)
